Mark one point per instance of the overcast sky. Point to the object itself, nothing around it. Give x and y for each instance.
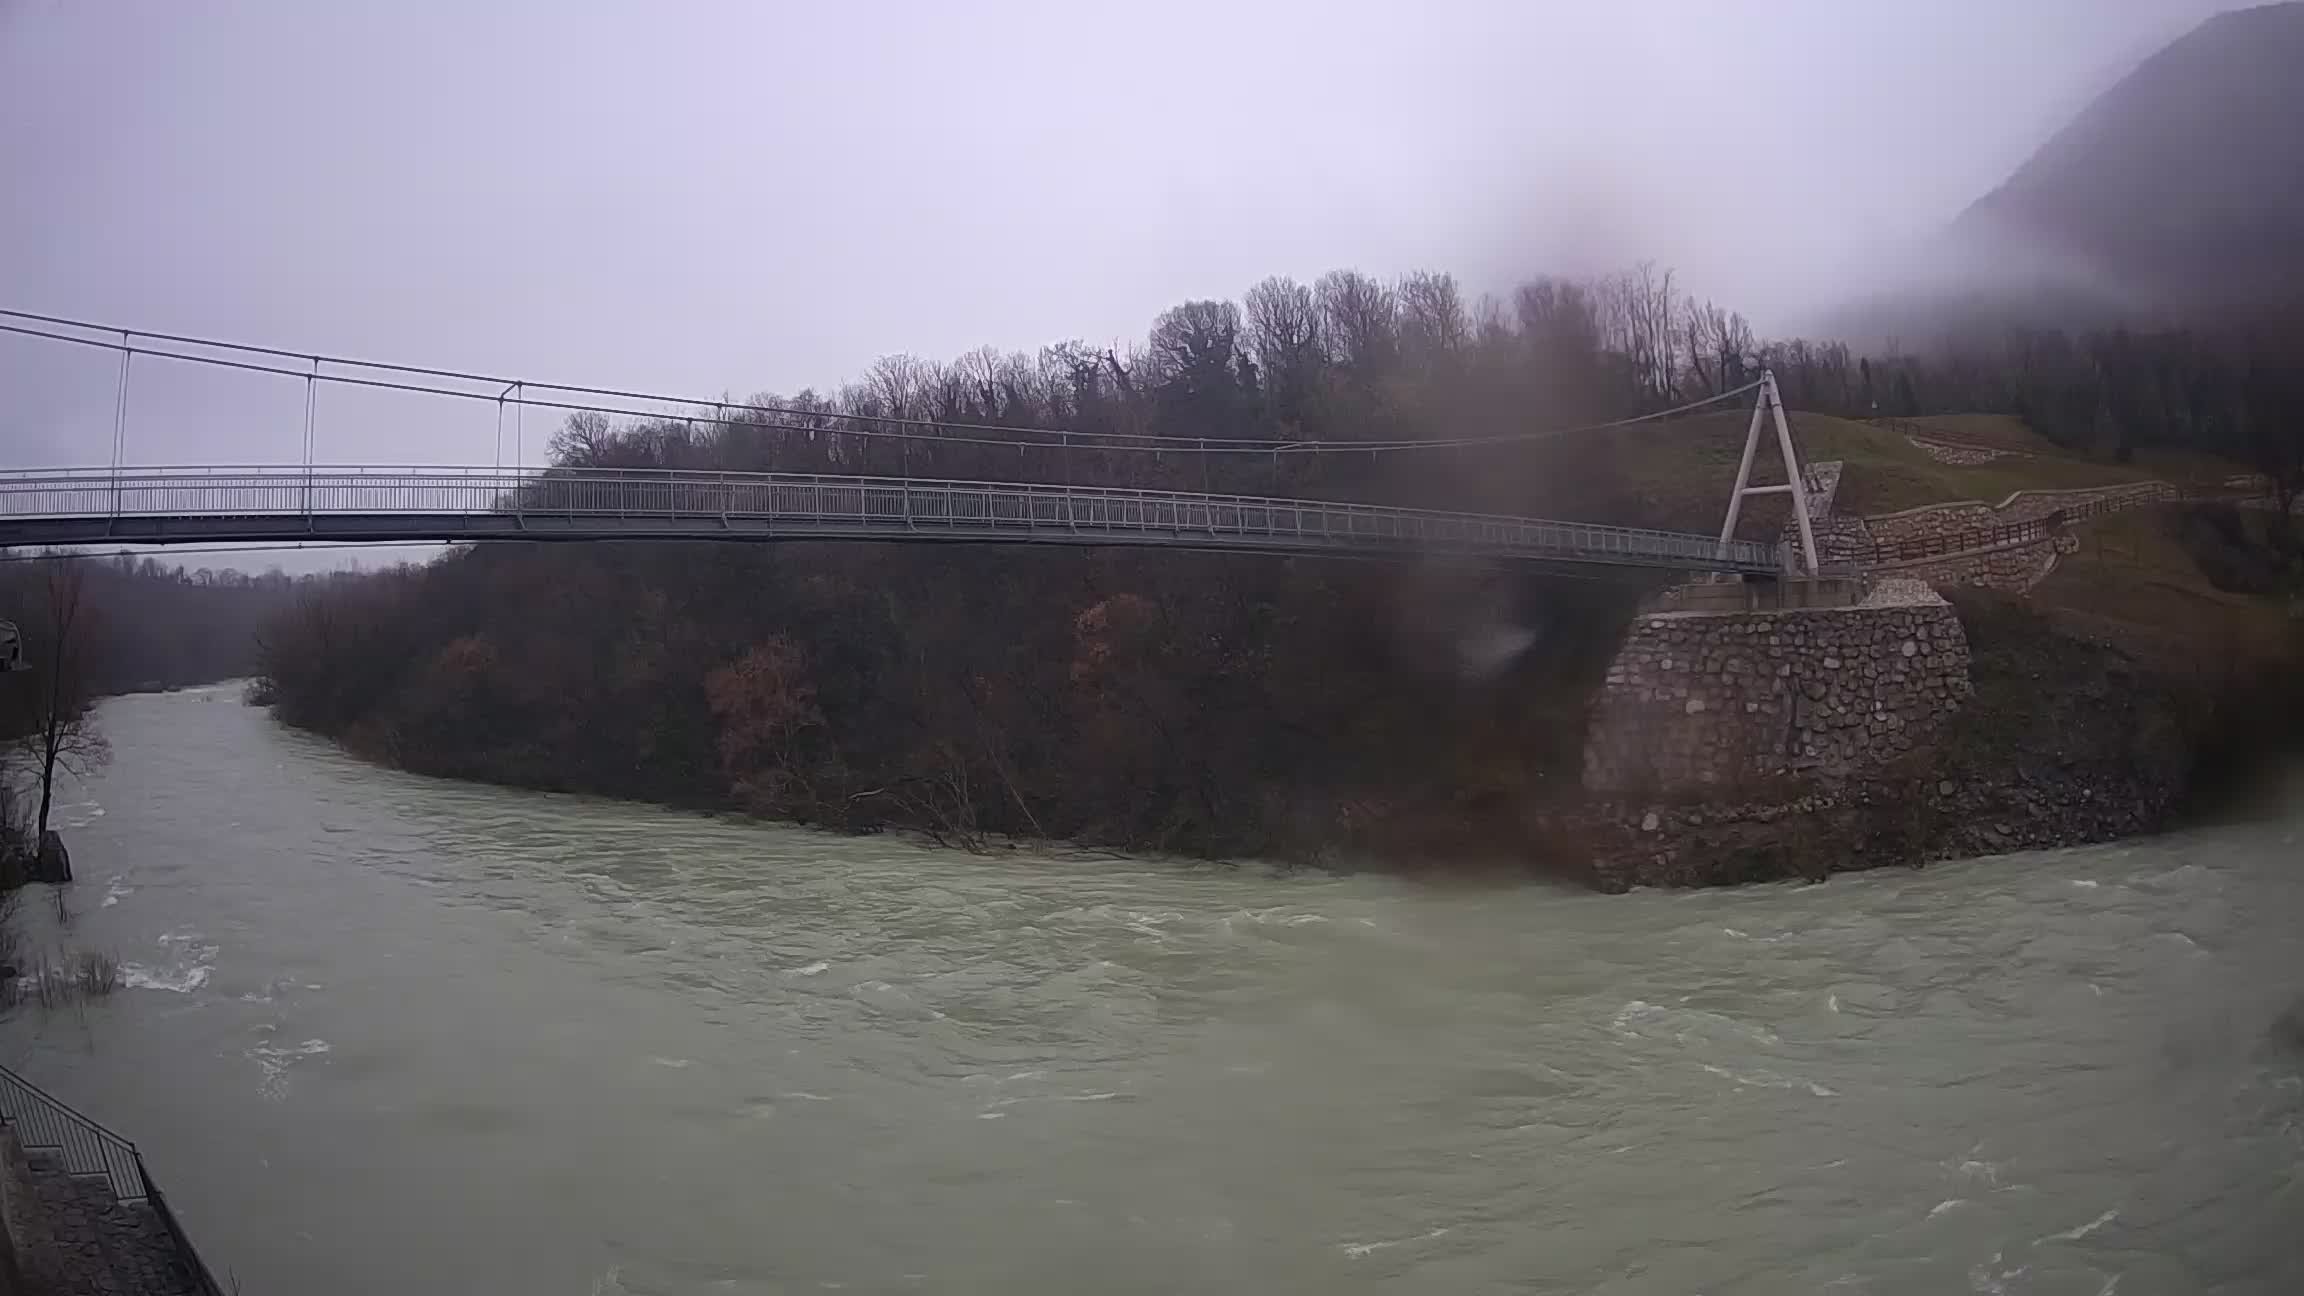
(736, 197)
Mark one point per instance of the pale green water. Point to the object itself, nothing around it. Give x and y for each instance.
(394, 1035)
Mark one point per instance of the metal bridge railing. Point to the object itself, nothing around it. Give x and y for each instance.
(43, 1123)
(1917, 549)
(82, 1146)
(855, 503)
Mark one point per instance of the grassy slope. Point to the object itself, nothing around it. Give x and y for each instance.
(2003, 430)
(1676, 474)
(2134, 584)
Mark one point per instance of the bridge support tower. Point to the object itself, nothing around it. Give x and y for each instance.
(1770, 407)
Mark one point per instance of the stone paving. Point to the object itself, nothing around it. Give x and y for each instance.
(89, 1244)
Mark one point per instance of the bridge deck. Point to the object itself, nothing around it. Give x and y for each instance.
(183, 505)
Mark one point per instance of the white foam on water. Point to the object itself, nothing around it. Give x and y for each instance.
(1359, 1249)
(1276, 916)
(274, 1062)
(674, 1063)
(2075, 1234)
(1640, 1019)
(183, 977)
(1943, 1206)
(817, 968)
(176, 981)
(1771, 1080)
(114, 889)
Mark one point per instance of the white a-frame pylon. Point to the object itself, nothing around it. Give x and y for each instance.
(1770, 405)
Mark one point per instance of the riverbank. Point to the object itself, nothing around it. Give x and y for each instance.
(2059, 742)
(1217, 706)
(1248, 720)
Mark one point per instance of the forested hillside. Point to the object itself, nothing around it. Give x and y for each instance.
(153, 624)
(1221, 704)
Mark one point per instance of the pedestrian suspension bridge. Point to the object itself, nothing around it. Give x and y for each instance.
(121, 503)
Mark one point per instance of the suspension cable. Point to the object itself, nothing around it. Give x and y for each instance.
(1138, 442)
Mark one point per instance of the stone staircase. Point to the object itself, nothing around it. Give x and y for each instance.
(72, 1237)
(79, 1214)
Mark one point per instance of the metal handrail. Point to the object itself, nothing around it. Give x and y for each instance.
(44, 1123)
(691, 498)
(1886, 553)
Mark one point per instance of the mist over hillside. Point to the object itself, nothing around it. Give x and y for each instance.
(2176, 193)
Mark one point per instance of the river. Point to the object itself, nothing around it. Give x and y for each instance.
(387, 1034)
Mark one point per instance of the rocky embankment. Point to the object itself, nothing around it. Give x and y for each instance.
(2061, 742)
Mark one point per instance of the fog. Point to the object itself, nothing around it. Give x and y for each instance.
(735, 197)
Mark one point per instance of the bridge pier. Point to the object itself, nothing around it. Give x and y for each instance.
(1726, 687)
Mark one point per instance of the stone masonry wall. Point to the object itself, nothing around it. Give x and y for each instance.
(2014, 567)
(1931, 521)
(1699, 700)
(1839, 538)
(1964, 456)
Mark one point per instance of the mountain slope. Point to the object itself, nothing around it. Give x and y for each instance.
(2177, 192)
(2181, 187)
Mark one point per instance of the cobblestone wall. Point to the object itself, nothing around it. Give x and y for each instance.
(1839, 538)
(2011, 568)
(1934, 520)
(2014, 568)
(1713, 700)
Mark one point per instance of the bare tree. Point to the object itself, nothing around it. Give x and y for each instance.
(1720, 345)
(62, 731)
(1283, 332)
(1197, 342)
(1639, 314)
(900, 386)
(1561, 321)
(1359, 320)
(1433, 321)
(585, 440)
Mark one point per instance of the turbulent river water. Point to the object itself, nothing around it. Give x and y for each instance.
(388, 1034)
